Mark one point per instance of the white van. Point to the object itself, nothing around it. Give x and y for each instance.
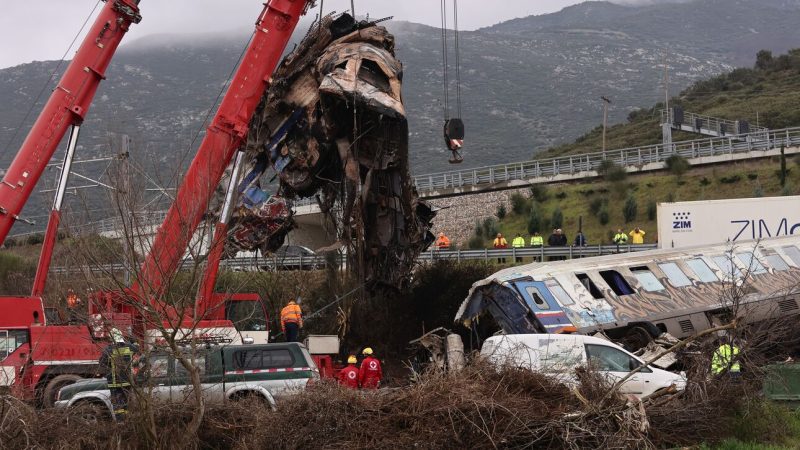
(558, 355)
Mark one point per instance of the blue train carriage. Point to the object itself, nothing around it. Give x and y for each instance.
(635, 297)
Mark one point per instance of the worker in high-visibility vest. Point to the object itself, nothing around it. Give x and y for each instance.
(637, 236)
(443, 242)
(291, 321)
(117, 362)
(537, 240)
(726, 358)
(349, 375)
(518, 242)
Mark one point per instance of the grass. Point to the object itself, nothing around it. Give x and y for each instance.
(763, 426)
(733, 180)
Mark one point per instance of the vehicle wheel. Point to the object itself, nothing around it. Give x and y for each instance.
(53, 386)
(253, 399)
(636, 338)
(91, 412)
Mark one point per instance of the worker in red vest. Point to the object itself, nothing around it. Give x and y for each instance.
(349, 375)
(370, 374)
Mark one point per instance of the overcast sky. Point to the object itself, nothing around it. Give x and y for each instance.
(42, 29)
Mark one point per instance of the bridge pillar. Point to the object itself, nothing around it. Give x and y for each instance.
(666, 134)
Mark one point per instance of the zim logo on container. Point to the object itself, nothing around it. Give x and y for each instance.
(682, 221)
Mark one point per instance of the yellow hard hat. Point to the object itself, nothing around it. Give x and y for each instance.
(367, 351)
(352, 360)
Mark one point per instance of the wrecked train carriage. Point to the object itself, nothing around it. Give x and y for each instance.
(636, 297)
(333, 125)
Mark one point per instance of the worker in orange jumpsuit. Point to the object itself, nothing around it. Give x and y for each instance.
(443, 242)
(349, 375)
(291, 321)
(370, 374)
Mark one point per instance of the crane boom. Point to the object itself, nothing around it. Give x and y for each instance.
(66, 107)
(226, 133)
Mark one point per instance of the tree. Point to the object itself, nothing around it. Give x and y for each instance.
(652, 210)
(603, 216)
(519, 204)
(630, 209)
(535, 219)
(501, 212)
(490, 228)
(557, 220)
(763, 59)
(611, 171)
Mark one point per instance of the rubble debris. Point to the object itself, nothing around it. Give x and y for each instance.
(333, 125)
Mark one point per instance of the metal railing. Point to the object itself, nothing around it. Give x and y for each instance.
(721, 127)
(588, 162)
(564, 165)
(248, 264)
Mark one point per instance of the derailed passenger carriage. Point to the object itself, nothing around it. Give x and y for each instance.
(637, 297)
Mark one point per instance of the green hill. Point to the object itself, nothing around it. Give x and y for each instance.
(768, 93)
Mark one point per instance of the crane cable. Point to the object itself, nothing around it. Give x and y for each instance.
(445, 81)
(458, 58)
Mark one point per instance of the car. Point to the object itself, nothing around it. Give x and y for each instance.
(266, 372)
(295, 257)
(558, 355)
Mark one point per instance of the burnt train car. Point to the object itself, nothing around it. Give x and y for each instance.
(639, 296)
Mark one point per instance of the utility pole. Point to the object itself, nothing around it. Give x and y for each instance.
(666, 127)
(666, 83)
(606, 102)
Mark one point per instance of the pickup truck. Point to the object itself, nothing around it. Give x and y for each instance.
(266, 372)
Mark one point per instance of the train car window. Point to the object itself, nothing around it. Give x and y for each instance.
(647, 278)
(537, 297)
(676, 276)
(617, 283)
(793, 253)
(589, 285)
(751, 262)
(777, 262)
(701, 269)
(727, 266)
(559, 293)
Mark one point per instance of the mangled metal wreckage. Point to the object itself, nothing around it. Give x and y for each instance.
(333, 126)
(641, 297)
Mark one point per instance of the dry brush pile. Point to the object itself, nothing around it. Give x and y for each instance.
(475, 408)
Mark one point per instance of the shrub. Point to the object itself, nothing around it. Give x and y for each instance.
(540, 193)
(652, 210)
(671, 197)
(650, 185)
(475, 243)
(758, 192)
(557, 220)
(501, 212)
(34, 239)
(519, 204)
(752, 176)
(787, 190)
(733, 179)
(704, 181)
(630, 209)
(490, 228)
(677, 165)
(596, 204)
(478, 229)
(611, 172)
(561, 195)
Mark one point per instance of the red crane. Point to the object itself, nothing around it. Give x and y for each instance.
(44, 357)
(37, 358)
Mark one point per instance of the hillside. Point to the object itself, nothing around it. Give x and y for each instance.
(528, 84)
(771, 88)
(766, 94)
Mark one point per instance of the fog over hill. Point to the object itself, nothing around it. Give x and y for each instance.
(527, 83)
